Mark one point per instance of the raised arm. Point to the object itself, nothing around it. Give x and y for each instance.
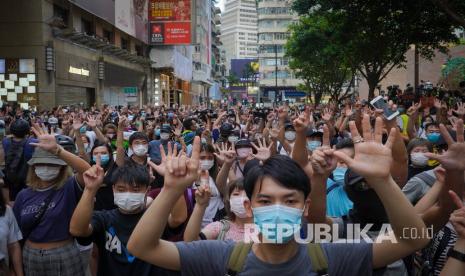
(226, 156)
(80, 225)
(301, 125)
(145, 241)
(202, 197)
(120, 154)
(373, 161)
(92, 122)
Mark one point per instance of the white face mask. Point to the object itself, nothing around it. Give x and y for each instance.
(237, 206)
(243, 152)
(233, 139)
(86, 145)
(206, 165)
(129, 202)
(164, 136)
(289, 135)
(47, 173)
(140, 150)
(419, 159)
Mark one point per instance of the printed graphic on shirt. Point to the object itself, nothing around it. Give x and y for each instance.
(113, 244)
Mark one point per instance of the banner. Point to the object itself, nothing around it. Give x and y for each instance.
(170, 22)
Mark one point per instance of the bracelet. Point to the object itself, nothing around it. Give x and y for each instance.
(456, 255)
(58, 150)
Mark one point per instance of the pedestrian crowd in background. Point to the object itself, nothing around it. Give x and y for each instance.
(171, 190)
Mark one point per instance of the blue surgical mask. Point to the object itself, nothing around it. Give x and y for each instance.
(433, 137)
(270, 217)
(339, 174)
(104, 159)
(157, 132)
(313, 145)
(83, 129)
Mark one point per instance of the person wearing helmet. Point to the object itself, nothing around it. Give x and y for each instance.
(18, 150)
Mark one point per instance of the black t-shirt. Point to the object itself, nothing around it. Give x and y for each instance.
(104, 198)
(111, 232)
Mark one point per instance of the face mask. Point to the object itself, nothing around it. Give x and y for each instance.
(433, 137)
(104, 159)
(157, 132)
(129, 202)
(83, 129)
(86, 145)
(140, 150)
(401, 110)
(47, 173)
(419, 159)
(243, 152)
(271, 216)
(233, 139)
(289, 135)
(164, 136)
(2, 132)
(110, 136)
(237, 206)
(339, 174)
(203, 141)
(313, 145)
(206, 165)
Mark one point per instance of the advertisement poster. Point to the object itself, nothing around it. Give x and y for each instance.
(170, 22)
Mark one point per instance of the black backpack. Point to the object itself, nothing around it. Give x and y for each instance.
(16, 166)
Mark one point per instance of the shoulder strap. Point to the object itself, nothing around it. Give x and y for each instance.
(224, 229)
(318, 258)
(237, 258)
(39, 215)
(332, 187)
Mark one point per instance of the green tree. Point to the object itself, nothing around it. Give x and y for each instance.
(375, 35)
(317, 59)
(453, 73)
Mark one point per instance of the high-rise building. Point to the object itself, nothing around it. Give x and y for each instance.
(239, 30)
(274, 17)
(217, 58)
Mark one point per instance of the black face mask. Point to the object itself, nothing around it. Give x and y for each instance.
(367, 208)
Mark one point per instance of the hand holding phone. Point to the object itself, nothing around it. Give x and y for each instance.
(380, 103)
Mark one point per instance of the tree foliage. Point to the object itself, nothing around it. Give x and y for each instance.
(375, 35)
(316, 57)
(453, 73)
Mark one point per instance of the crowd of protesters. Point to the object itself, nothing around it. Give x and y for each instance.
(171, 190)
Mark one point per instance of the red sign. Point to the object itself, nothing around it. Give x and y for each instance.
(170, 10)
(177, 33)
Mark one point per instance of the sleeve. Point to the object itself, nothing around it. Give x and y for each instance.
(14, 233)
(73, 189)
(98, 222)
(204, 257)
(354, 257)
(17, 208)
(212, 230)
(412, 190)
(215, 134)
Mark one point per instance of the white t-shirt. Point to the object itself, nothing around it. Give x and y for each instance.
(215, 204)
(9, 233)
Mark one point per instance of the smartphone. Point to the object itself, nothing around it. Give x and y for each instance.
(380, 103)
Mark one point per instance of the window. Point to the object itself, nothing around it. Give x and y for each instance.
(124, 44)
(108, 35)
(87, 27)
(61, 13)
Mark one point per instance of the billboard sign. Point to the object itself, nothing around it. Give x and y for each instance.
(170, 22)
(244, 74)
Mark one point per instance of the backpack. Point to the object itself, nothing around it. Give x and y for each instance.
(239, 254)
(16, 166)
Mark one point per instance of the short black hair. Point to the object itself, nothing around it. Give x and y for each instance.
(138, 136)
(345, 143)
(431, 124)
(419, 142)
(283, 170)
(135, 175)
(188, 123)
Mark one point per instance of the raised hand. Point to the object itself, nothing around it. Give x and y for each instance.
(46, 141)
(327, 114)
(181, 171)
(202, 195)
(93, 177)
(348, 111)
(263, 151)
(91, 121)
(302, 123)
(460, 111)
(457, 218)
(226, 155)
(77, 123)
(453, 158)
(372, 159)
(122, 122)
(160, 169)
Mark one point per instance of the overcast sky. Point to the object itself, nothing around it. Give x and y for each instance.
(221, 4)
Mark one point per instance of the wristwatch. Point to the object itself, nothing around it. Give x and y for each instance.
(456, 255)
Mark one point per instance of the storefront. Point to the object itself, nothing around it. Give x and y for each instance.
(123, 86)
